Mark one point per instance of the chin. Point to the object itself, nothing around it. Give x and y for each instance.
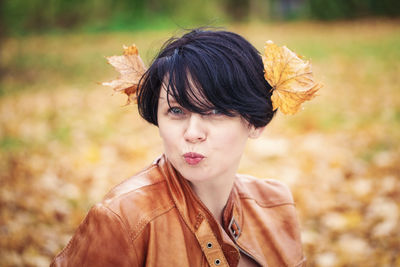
(192, 173)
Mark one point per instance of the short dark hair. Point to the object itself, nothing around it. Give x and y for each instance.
(222, 66)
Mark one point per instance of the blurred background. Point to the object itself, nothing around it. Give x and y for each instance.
(65, 140)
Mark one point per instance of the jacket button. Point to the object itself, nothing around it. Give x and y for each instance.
(209, 245)
(217, 262)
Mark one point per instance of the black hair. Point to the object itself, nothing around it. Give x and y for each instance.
(222, 66)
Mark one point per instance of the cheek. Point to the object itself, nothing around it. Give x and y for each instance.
(233, 139)
(169, 135)
(164, 134)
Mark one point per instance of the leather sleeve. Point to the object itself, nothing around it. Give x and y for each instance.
(102, 239)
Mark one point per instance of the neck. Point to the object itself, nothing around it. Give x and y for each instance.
(214, 195)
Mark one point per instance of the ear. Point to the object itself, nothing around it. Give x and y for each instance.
(255, 132)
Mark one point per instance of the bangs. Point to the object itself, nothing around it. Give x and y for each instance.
(199, 82)
(184, 86)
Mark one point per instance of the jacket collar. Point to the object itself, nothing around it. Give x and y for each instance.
(232, 215)
(193, 211)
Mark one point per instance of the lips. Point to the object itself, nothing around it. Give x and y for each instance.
(193, 158)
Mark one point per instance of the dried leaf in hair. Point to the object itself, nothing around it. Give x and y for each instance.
(290, 77)
(131, 68)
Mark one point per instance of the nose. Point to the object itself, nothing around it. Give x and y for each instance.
(195, 129)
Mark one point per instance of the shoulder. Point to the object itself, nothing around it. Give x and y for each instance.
(101, 231)
(266, 192)
(140, 199)
(112, 224)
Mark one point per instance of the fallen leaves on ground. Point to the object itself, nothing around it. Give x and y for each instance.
(64, 147)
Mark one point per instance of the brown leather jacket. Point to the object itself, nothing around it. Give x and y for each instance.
(155, 219)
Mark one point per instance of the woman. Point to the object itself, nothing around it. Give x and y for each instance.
(207, 94)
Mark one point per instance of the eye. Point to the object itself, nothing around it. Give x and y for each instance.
(175, 111)
(214, 112)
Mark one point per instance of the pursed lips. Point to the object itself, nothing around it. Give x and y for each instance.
(193, 158)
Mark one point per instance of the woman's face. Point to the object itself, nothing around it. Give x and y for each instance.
(202, 147)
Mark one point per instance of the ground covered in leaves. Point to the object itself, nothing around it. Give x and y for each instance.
(65, 140)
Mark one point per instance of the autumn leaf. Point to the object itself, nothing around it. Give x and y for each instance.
(290, 77)
(131, 68)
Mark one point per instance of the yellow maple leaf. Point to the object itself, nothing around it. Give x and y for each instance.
(290, 77)
(131, 69)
